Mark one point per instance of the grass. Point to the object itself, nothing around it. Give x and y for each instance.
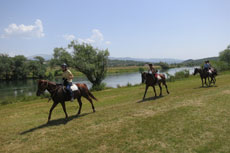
(189, 119)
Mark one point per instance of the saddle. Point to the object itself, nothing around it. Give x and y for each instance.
(74, 87)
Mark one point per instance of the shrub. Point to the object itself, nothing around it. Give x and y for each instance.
(99, 87)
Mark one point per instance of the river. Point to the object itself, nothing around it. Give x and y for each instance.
(29, 87)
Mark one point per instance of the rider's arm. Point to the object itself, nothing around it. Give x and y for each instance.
(70, 74)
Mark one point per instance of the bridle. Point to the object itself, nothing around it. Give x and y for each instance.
(42, 88)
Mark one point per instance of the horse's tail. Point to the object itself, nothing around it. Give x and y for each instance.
(92, 96)
(89, 93)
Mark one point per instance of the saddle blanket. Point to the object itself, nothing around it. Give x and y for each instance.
(74, 87)
(210, 71)
(158, 76)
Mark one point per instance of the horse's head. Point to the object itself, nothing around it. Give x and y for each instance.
(196, 70)
(42, 86)
(143, 77)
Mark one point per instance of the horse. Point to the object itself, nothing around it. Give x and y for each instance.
(204, 75)
(150, 80)
(59, 95)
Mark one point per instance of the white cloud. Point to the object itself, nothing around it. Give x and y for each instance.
(69, 37)
(24, 31)
(107, 42)
(96, 38)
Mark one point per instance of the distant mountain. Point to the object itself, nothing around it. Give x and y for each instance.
(45, 56)
(199, 61)
(150, 60)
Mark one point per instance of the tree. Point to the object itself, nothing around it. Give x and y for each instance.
(61, 56)
(5, 67)
(37, 67)
(20, 69)
(92, 62)
(225, 55)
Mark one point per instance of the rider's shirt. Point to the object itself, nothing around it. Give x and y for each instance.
(152, 70)
(206, 66)
(67, 75)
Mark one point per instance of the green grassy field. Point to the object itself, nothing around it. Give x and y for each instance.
(189, 119)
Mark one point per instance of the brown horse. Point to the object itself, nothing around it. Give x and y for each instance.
(150, 80)
(59, 95)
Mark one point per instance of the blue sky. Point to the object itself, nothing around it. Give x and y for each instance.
(180, 29)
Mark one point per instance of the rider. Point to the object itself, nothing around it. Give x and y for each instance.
(67, 79)
(207, 66)
(152, 70)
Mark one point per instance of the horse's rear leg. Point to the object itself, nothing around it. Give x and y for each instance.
(90, 100)
(146, 88)
(64, 109)
(166, 87)
(160, 89)
(80, 105)
(51, 109)
(154, 91)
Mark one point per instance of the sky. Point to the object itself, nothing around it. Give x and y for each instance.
(179, 29)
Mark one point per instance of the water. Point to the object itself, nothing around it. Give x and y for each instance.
(29, 87)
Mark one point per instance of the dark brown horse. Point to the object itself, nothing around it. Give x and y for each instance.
(150, 80)
(204, 75)
(60, 95)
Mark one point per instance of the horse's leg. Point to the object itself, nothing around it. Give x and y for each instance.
(202, 81)
(80, 105)
(64, 109)
(154, 91)
(90, 100)
(205, 81)
(209, 82)
(146, 88)
(51, 109)
(166, 86)
(159, 84)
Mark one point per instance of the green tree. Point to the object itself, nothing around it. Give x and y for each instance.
(92, 62)
(5, 67)
(61, 56)
(20, 69)
(37, 67)
(225, 55)
(41, 66)
(163, 65)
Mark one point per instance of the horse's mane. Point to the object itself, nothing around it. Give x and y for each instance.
(53, 83)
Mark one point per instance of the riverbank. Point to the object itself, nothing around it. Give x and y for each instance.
(111, 70)
(189, 119)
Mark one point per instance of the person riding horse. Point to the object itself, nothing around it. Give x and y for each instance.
(67, 80)
(152, 71)
(207, 67)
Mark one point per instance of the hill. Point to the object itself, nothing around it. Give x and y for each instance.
(148, 60)
(192, 62)
(189, 119)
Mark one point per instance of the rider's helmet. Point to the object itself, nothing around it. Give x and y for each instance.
(150, 65)
(64, 65)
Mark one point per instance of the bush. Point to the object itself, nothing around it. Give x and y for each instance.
(178, 75)
(129, 85)
(141, 69)
(102, 86)
(220, 65)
